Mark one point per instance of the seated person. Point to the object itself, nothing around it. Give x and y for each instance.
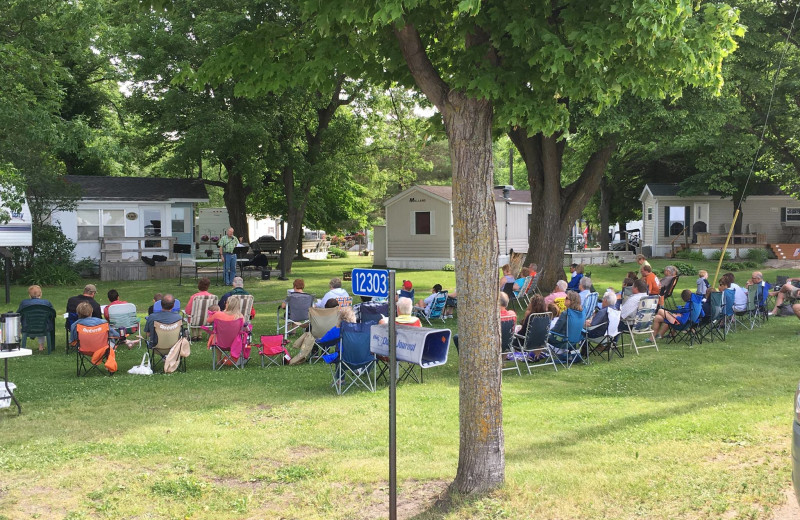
(533, 269)
(553, 309)
(507, 278)
(88, 296)
(573, 302)
(425, 303)
(670, 272)
(113, 299)
(601, 316)
(664, 318)
(576, 271)
(787, 291)
(231, 312)
(740, 296)
(404, 317)
(407, 290)
(653, 287)
(336, 291)
(537, 305)
(35, 298)
(505, 312)
(298, 286)
(176, 306)
(560, 291)
(202, 290)
(238, 290)
(627, 282)
(631, 305)
(633, 275)
(585, 286)
(85, 318)
(156, 298)
(167, 302)
(520, 282)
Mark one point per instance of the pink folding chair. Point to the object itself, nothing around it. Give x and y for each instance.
(230, 342)
(273, 348)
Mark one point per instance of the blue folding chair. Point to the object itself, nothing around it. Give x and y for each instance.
(688, 330)
(567, 346)
(354, 364)
(436, 309)
(713, 325)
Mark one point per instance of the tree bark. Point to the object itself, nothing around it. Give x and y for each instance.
(554, 208)
(235, 197)
(605, 209)
(468, 122)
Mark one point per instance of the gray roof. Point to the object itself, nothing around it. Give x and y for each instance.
(671, 190)
(139, 188)
(446, 192)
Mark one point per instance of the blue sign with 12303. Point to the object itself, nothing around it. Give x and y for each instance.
(371, 282)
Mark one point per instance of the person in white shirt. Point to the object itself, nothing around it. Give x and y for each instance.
(585, 286)
(336, 291)
(425, 304)
(740, 295)
(631, 305)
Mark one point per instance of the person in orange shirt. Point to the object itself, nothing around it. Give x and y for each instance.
(653, 287)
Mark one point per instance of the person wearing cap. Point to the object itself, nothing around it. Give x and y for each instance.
(88, 296)
(335, 291)
(406, 290)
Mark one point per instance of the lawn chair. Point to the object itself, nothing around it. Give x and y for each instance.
(344, 301)
(92, 347)
(295, 315)
(748, 318)
(273, 350)
(568, 346)
(247, 306)
(406, 294)
(762, 310)
(713, 325)
(436, 310)
(667, 292)
(688, 331)
(37, 321)
(507, 353)
(508, 288)
(730, 316)
(320, 322)
(355, 364)
(199, 316)
(69, 319)
(520, 296)
(161, 341)
(372, 312)
(642, 323)
(590, 305)
(533, 343)
(609, 342)
(229, 344)
(122, 318)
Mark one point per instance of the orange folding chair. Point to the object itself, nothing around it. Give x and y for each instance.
(93, 349)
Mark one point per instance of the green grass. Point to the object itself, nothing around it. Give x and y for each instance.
(688, 433)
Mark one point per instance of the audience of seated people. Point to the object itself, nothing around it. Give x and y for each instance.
(35, 298)
(559, 291)
(336, 291)
(85, 317)
(87, 296)
(203, 285)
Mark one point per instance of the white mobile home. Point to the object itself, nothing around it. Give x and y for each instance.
(767, 217)
(419, 227)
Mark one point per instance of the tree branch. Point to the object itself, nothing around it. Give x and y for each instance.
(426, 76)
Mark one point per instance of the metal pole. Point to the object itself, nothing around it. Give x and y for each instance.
(392, 400)
(8, 279)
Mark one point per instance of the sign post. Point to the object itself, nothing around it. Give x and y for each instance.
(380, 283)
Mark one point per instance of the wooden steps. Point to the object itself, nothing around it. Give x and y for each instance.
(786, 251)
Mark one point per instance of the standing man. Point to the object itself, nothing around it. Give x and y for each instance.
(226, 245)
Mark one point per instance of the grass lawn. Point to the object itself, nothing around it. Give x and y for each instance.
(689, 433)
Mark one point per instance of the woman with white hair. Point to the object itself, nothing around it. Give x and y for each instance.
(601, 316)
(404, 317)
(560, 291)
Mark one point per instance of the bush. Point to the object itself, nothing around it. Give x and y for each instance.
(749, 264)
(685, 269)
(759, 256)
(337, 253)
(46, 273)
(689, 254)
(731, 266)
(448, 267)
(716, 255)
(613, 261)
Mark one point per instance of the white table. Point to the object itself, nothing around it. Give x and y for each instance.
(4, 355)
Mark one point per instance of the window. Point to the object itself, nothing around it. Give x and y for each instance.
(675, 220)
(178, 220)
(151, 219)
(792, 214)
(113, 223)
(649, 213)
(88, 224)
(422, 222)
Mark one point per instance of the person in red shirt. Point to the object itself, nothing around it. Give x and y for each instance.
(202, 286)
(505, 313)
(113, 299)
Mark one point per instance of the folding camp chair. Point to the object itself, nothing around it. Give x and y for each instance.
(122, 318)
(436, 309)
(730, 316)
(199, 316)
(608, 343)
(229, 344)
(355, 364)
(507, 353)
(320, 322)
(247, 306)
(69, 319)
(92, 339)
(406, 294)
(688, 331)
(533, 345)
(590, 305)
(762, 311)
(372, 312)
(748, 318)
(667, 292)
(508, 288)
(38, 321)
(344, 301)
(295, 315)
(713, 324)
(273, 350)
(568, 346)
(642, 323)
(520, 296)
(161, 341)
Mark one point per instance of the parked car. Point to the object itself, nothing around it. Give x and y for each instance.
(796, 445)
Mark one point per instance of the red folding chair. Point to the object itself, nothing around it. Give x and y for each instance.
(273, 348)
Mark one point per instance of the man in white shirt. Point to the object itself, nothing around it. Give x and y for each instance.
(740, 295)
(631, 305)
(336, 291)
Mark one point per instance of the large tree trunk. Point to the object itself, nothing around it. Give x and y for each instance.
(605, 209)
(294, 223)
(554, 208)
(468, 121)
(235, 197)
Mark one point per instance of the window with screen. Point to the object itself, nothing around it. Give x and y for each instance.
(88, 224)
(178, 220)
(422, 222)
(113, 223)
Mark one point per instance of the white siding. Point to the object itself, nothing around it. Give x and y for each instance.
(517, 232)
(403, 243)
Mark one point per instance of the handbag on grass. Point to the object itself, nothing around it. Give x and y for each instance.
(142, 369)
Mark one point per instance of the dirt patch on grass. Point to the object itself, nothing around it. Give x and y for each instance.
(789, 510)
(413, 498)
(39, 501)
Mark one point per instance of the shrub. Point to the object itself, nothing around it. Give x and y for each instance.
(716, 255)
(749, 264)
(46, 273)
(613, 261)
(337, 253)
(731, 266)
(759, 256)
(689, 254)
(685, 269)
(448, 267)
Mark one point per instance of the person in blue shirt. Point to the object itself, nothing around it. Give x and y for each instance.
(577, 274)
(85, 317)
(35, 298)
